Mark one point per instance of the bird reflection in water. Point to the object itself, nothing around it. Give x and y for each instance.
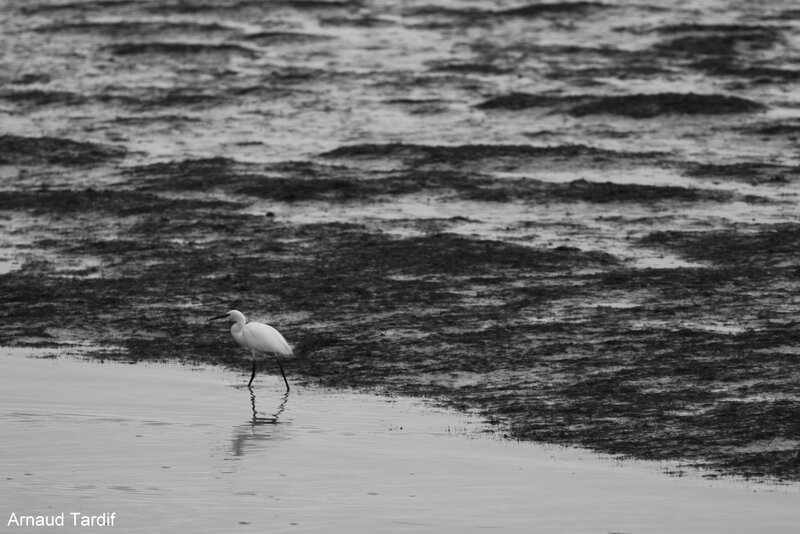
(271, 419)
(263, 426)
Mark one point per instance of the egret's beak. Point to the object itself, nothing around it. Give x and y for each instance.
(223, 316)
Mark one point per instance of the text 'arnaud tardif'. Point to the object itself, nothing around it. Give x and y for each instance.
(73, 519)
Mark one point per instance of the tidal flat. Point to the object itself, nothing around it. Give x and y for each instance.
(578, 220)
(188, 448)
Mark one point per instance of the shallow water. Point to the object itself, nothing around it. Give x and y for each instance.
(177, 448)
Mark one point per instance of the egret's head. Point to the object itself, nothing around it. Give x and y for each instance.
(233, 315)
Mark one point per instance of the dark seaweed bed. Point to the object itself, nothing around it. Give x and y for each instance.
(442, 200)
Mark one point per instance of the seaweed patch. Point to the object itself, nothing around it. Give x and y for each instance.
(643, 106)
(20, 150)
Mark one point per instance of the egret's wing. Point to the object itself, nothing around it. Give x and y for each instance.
(263, 338)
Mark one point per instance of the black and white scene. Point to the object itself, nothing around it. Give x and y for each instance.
(400, 266)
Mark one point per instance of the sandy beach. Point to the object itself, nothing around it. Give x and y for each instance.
(186, 448)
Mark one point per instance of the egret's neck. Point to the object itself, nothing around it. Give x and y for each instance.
(237, 331)
(239, 320)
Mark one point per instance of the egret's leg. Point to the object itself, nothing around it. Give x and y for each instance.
(282, 373)
(253, 375)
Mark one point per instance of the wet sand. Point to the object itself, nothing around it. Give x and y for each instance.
(180, 448)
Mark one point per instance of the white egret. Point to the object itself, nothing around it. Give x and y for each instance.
(259, 338)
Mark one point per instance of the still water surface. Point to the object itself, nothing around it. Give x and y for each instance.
(176, 448)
